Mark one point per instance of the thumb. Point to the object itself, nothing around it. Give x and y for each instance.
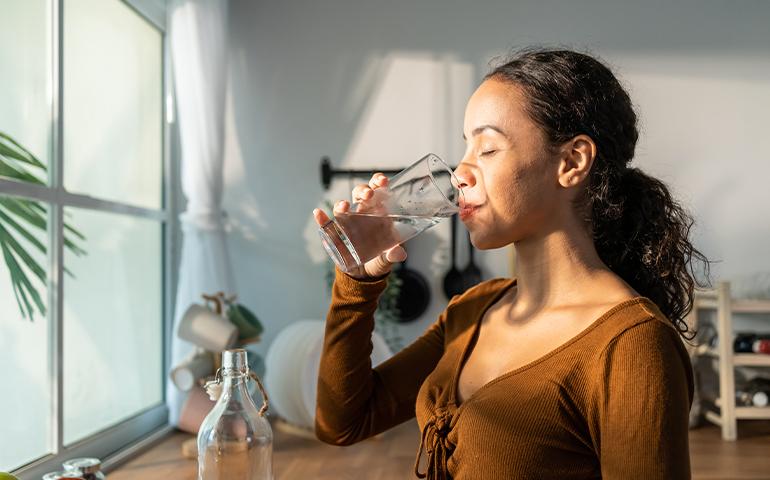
(380, 265)
(396, 254)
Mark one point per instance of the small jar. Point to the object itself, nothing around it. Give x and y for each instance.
(68, 475)
(89, 468)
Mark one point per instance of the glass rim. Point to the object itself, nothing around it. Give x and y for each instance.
(452, 177)
(331, 248)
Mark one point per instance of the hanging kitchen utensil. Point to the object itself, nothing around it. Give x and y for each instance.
(471, 275)
(453, 280)
(414, 295)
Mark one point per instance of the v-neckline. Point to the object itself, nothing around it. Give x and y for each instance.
(477, 328)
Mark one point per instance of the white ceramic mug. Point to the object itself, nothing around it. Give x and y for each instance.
(199, 365)
(194, 409)
(206, 329)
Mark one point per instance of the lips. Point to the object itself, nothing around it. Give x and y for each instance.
(467, 210)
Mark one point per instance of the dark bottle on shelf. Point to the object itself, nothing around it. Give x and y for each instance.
(761, 345)
(744, 342)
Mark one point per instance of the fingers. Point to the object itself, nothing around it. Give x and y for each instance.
(378, 180)
(341, 207)
(361, 193)
(321, 218)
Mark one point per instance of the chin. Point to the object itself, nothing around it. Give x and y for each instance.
(487, 240)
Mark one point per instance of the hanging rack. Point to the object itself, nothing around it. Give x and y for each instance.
(328, 173)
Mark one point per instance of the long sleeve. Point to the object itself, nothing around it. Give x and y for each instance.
(643, 404)
(354, 401)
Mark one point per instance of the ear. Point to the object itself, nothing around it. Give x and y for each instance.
(578, 156)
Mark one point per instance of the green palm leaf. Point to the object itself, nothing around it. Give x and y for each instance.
(8, 240)
(24, 217)
(21, 283)
(16, 173)
(23, 210)
(5, 218)
(10, 147)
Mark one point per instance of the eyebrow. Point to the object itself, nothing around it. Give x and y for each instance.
(481, 128)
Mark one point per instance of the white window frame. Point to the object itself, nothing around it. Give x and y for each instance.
(120, 441)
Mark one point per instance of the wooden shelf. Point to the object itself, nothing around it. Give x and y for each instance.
(741, 413)
(738, 306)
(752, 413)
(725, 306)
(751, 360)
(713, 417)
(706, 294)
(745, 359)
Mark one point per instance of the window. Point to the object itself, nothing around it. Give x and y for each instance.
(112, 103)
(84, 225)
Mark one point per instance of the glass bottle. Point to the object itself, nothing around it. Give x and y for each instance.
(235, 440)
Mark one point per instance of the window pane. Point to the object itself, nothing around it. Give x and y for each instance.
(25, 83)
(112, 103)
(25, 402)
(113, 353)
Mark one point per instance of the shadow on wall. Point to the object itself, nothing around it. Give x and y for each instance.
(352, 109)
(371, 132)
(376, 84)
(432, 90)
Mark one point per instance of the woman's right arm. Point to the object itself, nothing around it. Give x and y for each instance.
(354, 401)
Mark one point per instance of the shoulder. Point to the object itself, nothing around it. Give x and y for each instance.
(642, 341)
(639, 322)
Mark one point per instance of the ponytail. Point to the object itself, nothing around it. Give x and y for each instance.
(642, 233)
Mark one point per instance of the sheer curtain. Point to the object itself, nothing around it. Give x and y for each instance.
(198, 32)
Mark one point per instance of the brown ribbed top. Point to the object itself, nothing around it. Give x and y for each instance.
(610, 403)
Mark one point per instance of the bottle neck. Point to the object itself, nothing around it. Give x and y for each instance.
(234, 380)
(235, 388)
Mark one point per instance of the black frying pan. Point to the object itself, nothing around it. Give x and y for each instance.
(453, 280)
(414, 296)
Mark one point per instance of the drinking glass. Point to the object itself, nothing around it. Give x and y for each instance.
(414, 200)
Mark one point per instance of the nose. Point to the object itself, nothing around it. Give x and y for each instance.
(464, 175)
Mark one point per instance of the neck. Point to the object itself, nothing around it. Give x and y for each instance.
(554, 269)
(235, 388)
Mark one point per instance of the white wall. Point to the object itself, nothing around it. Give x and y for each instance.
(377, 84)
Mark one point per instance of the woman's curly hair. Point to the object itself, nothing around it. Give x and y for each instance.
(640, 231)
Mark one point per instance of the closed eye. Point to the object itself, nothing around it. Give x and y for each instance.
(487, 153)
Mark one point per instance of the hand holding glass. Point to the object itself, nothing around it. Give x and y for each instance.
(413, 200)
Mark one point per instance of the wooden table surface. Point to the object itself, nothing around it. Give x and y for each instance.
(391, 456)
(388, 456)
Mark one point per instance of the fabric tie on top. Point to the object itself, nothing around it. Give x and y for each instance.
(437, 446)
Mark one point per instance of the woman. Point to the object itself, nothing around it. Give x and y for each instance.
(576, 368)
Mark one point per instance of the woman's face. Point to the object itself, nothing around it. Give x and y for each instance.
(508, 173)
